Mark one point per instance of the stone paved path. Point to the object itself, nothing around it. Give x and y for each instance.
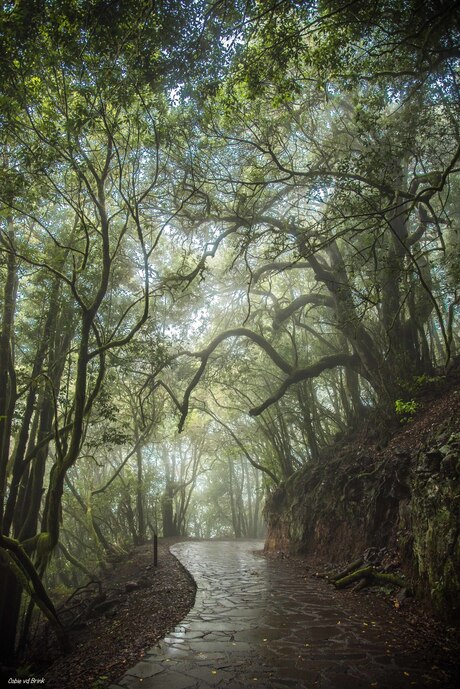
(257, 623)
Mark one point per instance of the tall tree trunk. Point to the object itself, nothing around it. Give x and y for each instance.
(231, 490)
(23, 436)
(9, 587)
(167, 510)
(140, 494)
(10, 601)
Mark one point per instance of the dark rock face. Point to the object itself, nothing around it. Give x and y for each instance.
(406, 497)
(332, 514)
(429, 524)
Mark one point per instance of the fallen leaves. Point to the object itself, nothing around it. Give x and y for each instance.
(106, 648)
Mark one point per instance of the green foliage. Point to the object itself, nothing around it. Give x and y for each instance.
(417, 385)
(162, 154)
(406, 409)
(425, 381)
(100, 682)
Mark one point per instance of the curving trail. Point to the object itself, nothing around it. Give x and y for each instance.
(258, 622)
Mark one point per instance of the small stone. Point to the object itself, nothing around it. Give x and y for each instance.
(132, 586)
(113, 612)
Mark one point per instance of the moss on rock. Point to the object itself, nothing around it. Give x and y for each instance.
(406, 497)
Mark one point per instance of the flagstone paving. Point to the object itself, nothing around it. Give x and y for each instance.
(257, 622)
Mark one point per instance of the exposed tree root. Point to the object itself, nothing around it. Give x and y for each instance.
(348, 570)
(369, 573)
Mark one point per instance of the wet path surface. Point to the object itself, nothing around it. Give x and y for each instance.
(258, 622)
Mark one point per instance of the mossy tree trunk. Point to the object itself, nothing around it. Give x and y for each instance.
(9, 587)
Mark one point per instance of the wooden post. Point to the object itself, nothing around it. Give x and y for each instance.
(155, 550)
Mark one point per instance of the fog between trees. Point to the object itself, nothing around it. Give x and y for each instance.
(236, 220)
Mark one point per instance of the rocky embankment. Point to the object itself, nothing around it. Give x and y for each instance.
(403, 498)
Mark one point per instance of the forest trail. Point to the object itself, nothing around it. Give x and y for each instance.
(268, 623)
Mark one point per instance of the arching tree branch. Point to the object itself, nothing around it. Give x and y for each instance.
(303, 300)
(250, 334)
(206, 353)
(312, 371)
(278, 267)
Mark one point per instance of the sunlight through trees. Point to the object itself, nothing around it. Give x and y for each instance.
(239, 220)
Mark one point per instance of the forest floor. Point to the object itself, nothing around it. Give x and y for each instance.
(149, 601)
(108, 645)
(142, 603)
(410, 627)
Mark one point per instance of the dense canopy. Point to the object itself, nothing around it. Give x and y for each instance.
(239, 220)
